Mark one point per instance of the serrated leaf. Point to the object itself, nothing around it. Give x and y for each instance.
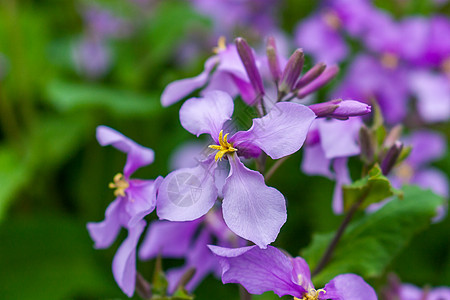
(374, 188)
(369, 244)
(66, 96)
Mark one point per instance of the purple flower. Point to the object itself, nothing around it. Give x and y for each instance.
(188, 240)
(251, 209)
(329, 144)
(319, 35)
(262, 270)
(229, 76)
(103, 24)
(433, 95)
(368, 79)
(411, 292)
(136, 198)
(92, 57)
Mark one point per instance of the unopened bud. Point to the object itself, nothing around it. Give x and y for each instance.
(393, 136)
(272, 58)
(247, 58)
(320, 81)
(292, 71)
(312, 74)
(367, 144)
(391, 157)
(340, 109)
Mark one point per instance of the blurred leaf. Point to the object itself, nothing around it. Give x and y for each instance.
(374, 188)
(14, 174)
(66, 96)
(48, 258)
(369, 244)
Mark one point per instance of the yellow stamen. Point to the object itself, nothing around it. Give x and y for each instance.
(389, 60)
(405, 172)
(312, 294)
(221, 45)
(120, 184)
(224, 147)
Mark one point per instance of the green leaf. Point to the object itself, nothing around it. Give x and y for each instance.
(159, 283)
(47, 258)
(66, 96)
(374, 188)
(369, 244)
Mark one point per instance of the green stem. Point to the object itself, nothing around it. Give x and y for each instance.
(275, 167)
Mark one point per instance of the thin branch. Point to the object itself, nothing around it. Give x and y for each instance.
(274, 167)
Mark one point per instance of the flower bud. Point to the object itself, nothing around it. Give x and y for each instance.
(292, 71)
(367, 144)
(391, 157)
(272, 57)
(320, 81)
(340, 109)
(247, 58)
(309, 76)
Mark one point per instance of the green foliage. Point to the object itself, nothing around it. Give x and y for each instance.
(373, 188)
(369, 244)
(41, 251)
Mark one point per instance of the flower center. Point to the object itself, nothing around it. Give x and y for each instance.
(405, 172)
(312, 294)
(221, 45)
(120, 184)
(224, 147)
(389, 60)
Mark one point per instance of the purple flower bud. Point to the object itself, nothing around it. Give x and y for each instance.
(320, 81)
(292, 71)
(247, 58)
(390, 159)
(312, 74)
(272, 57)
(340, 109)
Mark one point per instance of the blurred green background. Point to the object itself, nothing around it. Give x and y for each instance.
(54, 175)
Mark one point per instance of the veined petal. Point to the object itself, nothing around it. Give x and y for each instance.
(104, 233)
(138, 156)
(251, 209)
(124, 262)
(279, 133)
(141, 198)
(207, 114)
(339, 138)
(169, 239)
(179, 89)
(348, 287)
(187, 194)
(258, 270)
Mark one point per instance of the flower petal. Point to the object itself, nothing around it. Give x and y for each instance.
(342, 177)
(169, 239)
(258, 270)
(279, 133)
(179, 89)
(141, 198)
(124, 262)
(187, 194)
(251, 209)
(138, 156)
(426, 147)
(302, 274)
(104, 233)
(314, 161)
(339, 138)
(207, 114)
(348, 287)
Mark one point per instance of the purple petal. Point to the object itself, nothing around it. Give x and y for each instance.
(432, 178)
(339, 138)
(104, 233)
(179, 89)
(433, 95)
(141, 199)
(124, 263)
(169, 239)
(348, 287)
(199, 258)
(279, 133)
(426, 147)
(207, 114)
(302, 273)
(187, 194)
(258, 270)
(138, 156)
(440, 293)
(251, 209)
(342, 177)
(314, 161)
